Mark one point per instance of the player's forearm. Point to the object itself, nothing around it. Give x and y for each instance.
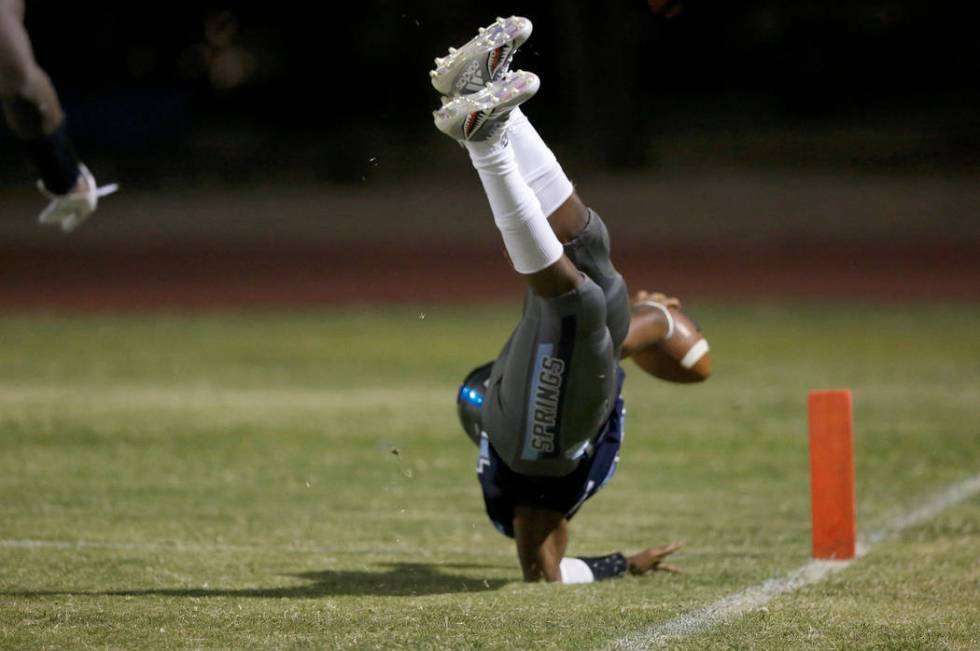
(587, 569)
(597, 568)
(540, 561)
(541, 536)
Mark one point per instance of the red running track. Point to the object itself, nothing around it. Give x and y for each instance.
(207, 276)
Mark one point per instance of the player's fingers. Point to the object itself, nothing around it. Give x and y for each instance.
(668, 301)
(667, 550)
(667, 567)
(663, 299)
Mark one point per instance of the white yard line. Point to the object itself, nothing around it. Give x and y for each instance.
(212, 548)
(734, 606)
(28, 543)
(724, 610)
(113, 397)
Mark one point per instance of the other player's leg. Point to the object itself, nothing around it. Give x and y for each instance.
(30, 103)
(34, 114)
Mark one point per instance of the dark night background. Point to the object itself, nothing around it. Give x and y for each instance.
(274, 125)
(317, 90)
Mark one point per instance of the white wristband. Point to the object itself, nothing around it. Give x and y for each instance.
(575, 570)
(667, 315)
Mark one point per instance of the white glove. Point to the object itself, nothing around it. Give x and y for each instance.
(70, 210)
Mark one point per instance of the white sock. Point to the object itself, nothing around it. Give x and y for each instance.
(538, 164)
(530, 242)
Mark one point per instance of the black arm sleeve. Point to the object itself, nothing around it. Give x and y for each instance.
(606, 567)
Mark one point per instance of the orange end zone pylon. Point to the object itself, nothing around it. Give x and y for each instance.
(832, 475)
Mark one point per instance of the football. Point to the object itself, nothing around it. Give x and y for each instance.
(682, 357)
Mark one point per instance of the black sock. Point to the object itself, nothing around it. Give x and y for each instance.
(55, 159)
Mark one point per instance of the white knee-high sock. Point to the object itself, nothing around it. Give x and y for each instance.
(538, 164)
(530, 242)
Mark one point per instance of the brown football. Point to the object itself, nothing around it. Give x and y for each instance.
(682, 357)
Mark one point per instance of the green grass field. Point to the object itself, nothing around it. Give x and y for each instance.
(300, 480)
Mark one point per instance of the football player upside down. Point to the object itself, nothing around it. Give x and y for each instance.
(547, 414)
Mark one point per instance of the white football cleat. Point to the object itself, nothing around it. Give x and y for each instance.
(483, 59)
(71, 209)
(483, 115)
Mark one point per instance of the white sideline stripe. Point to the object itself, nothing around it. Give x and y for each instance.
(108, 397)
(207, 548)
(28, 543)
(734, 606)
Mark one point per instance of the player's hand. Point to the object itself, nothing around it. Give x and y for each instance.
(644, 296)
(651, 560)
(70, 210)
